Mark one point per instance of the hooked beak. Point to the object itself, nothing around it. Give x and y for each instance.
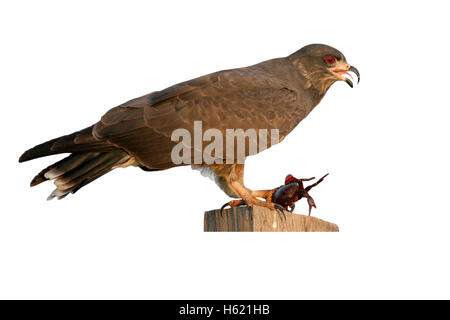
(339, 71)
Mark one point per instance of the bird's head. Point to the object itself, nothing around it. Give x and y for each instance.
(323, 65)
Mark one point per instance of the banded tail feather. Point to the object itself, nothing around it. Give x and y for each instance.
(89, 159)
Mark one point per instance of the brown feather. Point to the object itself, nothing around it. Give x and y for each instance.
(241, 98)
(80, 141)
(275, 94)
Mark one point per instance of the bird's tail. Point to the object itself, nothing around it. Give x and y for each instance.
(79, 169)
(89, 160)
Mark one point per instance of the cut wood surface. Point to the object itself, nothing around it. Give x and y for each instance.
(263, 219)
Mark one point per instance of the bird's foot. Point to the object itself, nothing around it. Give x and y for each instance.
(232, 204)
(256, 202)
(267, 195)
(250, 198)
(280, 210)
(271, 205)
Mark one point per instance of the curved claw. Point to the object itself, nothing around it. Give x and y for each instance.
(292, 208)
(223, 207)
(280, 210)
(232, 204)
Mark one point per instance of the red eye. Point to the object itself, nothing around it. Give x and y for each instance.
(330, 59)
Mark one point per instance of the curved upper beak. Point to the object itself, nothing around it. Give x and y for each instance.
(344, 70)
(356, 72)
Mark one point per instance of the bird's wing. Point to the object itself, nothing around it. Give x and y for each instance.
(240, 98)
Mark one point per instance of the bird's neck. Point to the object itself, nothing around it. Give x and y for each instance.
(314, 78)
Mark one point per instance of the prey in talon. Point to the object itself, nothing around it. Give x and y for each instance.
(292, 191)
(283, 197)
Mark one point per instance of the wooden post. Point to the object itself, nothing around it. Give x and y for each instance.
(263, 219)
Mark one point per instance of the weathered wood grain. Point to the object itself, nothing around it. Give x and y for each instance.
(263, 219)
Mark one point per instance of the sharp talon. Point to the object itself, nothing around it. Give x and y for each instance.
(280, 210)
(232, 204)
(223, 207)
(277, 206)
(292, 208)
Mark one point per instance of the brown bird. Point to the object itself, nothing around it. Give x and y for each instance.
(274, 94)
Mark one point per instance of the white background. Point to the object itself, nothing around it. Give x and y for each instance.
(135, 234)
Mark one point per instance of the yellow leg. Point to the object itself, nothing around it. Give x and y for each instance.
(249, 196)
(265, 194)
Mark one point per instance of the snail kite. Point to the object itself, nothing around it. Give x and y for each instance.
(274, 94)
